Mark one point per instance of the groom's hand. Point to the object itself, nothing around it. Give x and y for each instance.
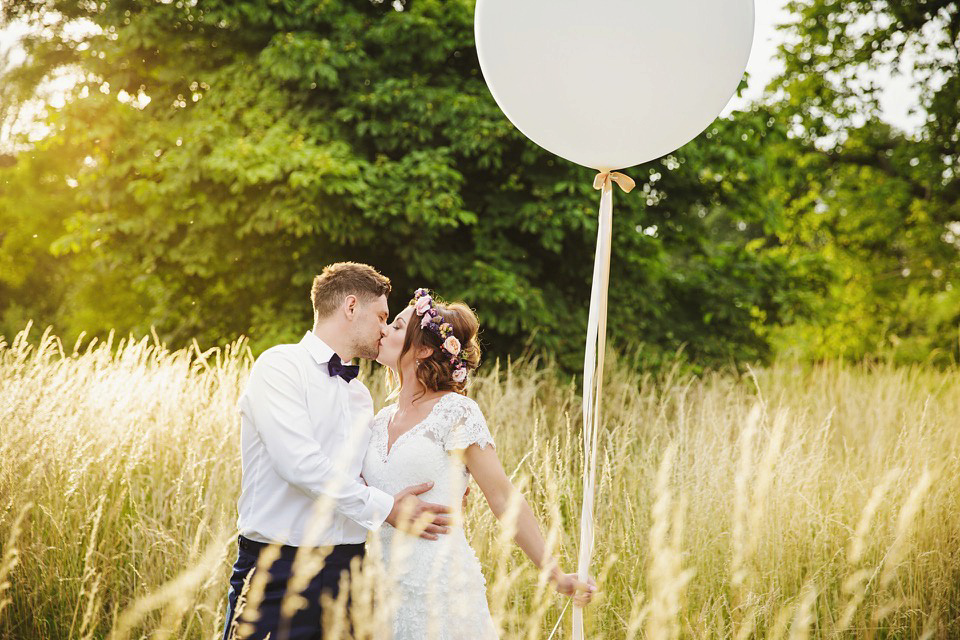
(412, 514)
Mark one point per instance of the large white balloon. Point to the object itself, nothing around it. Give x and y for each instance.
(613, 83)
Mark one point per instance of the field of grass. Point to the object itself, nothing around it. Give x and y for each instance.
(801, 501)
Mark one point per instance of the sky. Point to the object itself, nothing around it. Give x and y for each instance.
(896, 98)
(762, 65)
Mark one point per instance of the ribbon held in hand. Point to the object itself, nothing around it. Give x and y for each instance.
(593, 371)
(604, 178)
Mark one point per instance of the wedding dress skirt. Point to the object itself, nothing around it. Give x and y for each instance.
(435, 588)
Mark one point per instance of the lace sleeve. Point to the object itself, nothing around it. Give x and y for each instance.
(467, 427)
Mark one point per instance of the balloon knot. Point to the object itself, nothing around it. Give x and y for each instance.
(604, 178)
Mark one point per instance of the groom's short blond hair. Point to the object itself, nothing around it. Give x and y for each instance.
(341, 279)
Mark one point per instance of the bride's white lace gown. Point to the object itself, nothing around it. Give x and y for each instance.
(437, 589)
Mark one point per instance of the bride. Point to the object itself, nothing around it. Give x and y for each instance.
(435, 433)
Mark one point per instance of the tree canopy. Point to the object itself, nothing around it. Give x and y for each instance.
(886, 205)
(213, 156)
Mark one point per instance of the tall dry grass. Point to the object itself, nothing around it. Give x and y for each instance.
(801, 501)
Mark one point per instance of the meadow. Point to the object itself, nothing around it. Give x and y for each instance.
(799, 501)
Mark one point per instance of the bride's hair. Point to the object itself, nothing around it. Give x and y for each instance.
(435, 371)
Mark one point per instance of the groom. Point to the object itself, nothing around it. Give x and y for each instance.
(304, 425)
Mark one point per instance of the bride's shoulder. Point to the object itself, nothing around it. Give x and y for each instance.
(459, 399)
(464, 404)
(465, 424)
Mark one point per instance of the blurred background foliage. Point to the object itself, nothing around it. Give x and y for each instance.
(212, 156)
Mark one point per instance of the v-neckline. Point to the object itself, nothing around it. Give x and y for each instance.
(389, 448)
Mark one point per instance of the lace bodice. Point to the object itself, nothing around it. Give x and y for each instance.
(438, 585)
(422, 452)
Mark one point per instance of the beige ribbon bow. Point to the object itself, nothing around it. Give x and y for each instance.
(623, 180)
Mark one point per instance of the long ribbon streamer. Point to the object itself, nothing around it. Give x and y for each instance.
(559, 620)
(593, 371)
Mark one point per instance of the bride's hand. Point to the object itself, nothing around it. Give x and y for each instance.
(569, 584)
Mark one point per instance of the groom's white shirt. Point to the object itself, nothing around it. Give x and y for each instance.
(303, 436)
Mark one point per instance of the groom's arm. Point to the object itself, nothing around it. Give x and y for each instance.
(274, 400)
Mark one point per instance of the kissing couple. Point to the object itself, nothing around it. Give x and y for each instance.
(321, 471)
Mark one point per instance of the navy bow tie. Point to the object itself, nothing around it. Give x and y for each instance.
(346, 371)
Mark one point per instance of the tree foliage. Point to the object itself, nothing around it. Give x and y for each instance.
(882, 207)
(214, 155)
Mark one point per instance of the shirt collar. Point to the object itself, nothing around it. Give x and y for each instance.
(317, 348)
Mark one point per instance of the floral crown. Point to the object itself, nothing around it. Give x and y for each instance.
(431, 320)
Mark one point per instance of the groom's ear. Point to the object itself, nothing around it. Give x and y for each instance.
(349, 306)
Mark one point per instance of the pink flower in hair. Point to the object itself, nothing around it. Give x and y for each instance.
(423, 303)
(425, 321)
(459, 375)
(452, 345)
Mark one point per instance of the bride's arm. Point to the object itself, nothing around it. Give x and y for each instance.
(484, 465)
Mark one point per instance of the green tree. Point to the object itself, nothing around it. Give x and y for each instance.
(280, 136)
(882, 207)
